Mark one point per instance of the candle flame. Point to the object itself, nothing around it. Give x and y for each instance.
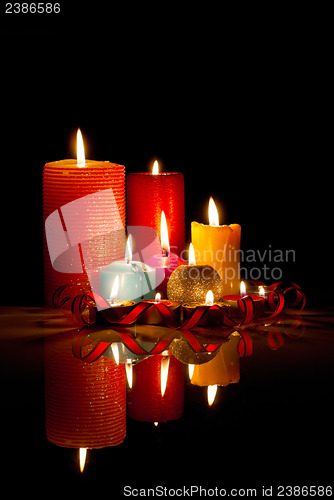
(128, 249)
(129, 373)
(242, 289)
(80, 150)
(155, 169)
(82, 458)
(191, 369)
(213, 213)
(191, 255)
(261, 291)
(115, 351)
(164, 374)
(164, 240)
(212, 391)
(114, 288)
(209, 298)
(157, 297)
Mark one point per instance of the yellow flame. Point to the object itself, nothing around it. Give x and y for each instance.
(164, 233)
(212, 391)
(191, 369)
(155, 169)
(156, 424)
(157, 297)
(213, 213)
(164, 374)
(115, 351)
(80, 150)
(209, 298)
(261, 291)
(129, 373)
(242, 289)
(114, 288)
(191, 256)
(82, 458)
(128, 249)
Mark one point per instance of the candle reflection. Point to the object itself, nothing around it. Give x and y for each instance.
(129, 373)
(82, 458)
(86, 401)
(164, 374)
(223, 369)
(212, 391)
(157, 394)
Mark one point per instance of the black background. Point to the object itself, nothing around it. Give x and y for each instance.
(240, 107)
(239, 103)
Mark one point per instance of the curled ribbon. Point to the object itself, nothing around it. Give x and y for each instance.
(90, 350)
(83, 308)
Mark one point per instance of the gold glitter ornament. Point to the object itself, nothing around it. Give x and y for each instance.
(192, 283)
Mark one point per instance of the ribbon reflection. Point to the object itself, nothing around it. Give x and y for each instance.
(87, 397)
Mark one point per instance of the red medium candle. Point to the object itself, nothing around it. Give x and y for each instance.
(148, 195)
(84, 220)
(145, 401)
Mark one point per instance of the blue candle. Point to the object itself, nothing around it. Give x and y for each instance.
(136, 280)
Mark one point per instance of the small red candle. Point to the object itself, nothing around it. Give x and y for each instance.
(84, 218)
(214, 314)
(152, 316)
(146, 402)
(148, 194)
(259, 301)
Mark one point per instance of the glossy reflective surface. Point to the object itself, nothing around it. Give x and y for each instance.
(270, 422)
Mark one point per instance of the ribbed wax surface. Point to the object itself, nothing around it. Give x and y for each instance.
(85, 403)
(148, 195)
(88, 207)
(145, 402)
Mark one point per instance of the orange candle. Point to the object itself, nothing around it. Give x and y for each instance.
(218, 246)
(223, 369)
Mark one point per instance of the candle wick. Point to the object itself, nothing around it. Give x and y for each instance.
(134, 267)
(164, 252)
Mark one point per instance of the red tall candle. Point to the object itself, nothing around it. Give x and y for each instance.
(145, 401)
(84, 219)
(148, 195)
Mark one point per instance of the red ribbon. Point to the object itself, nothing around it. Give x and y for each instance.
(84, 308)
(98, 347)
(245, 345)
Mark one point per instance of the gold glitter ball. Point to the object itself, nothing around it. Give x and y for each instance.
(192, 283)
